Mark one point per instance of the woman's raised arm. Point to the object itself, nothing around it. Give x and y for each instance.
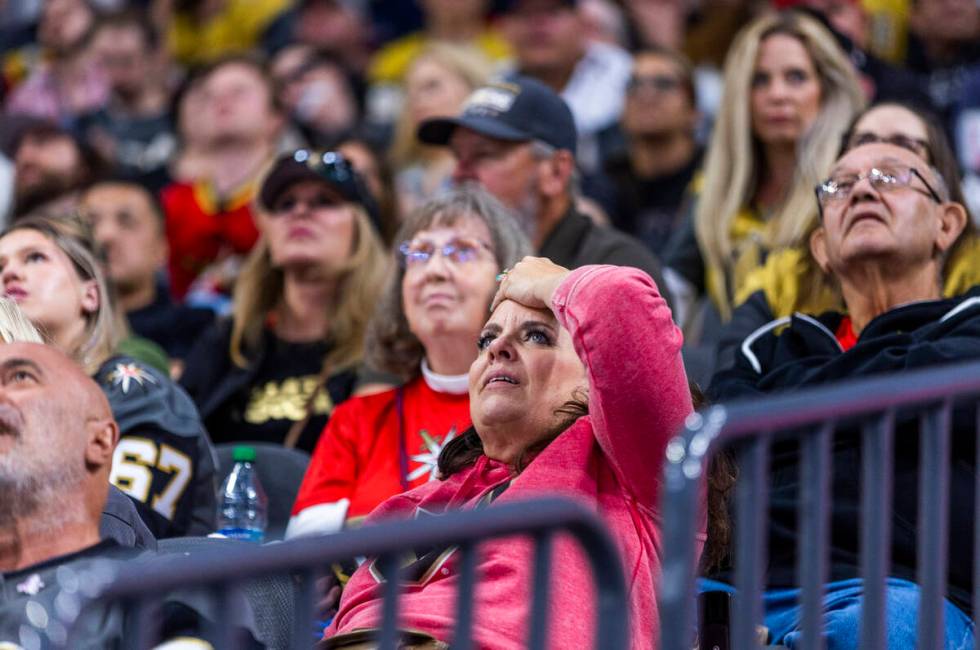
(638, 392)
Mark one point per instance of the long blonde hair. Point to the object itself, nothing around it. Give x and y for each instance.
(466, 62)
(259, 291)
(105, 327)
(732, 167)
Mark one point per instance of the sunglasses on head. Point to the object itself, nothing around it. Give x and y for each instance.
(329, 164)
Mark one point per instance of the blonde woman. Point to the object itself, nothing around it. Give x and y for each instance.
(275, 369)
(164, 459)
(790, 92)
(437, 83)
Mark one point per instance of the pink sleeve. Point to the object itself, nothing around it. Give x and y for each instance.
(638, 393)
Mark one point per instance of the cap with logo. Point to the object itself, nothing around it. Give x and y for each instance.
(518, 109)
(329, 167)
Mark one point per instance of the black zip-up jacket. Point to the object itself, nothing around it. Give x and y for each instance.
(802, 351)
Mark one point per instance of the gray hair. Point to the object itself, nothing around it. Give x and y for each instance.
(390, 345)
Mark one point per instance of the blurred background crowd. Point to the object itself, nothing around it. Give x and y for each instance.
(702, 127)
(191, 99)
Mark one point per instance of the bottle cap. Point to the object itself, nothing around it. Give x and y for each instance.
(243, 454)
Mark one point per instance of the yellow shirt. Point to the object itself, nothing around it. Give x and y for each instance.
(236, 29)
(391, 62)
(782, 275)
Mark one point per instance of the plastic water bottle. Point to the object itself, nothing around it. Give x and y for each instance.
(243, 508)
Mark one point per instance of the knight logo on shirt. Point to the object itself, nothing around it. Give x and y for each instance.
(428, 457)
(124, 375)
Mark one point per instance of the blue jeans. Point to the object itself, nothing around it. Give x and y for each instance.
(842, 615)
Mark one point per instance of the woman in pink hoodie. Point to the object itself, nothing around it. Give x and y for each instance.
(578, 386)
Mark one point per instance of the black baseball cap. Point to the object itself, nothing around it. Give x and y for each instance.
(518, 109)
(325, 166)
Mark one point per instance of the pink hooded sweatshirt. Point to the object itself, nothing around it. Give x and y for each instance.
(610, 460)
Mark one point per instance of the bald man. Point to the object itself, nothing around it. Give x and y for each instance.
(57, 438)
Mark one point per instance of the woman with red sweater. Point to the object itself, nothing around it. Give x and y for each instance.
(423, 332)
(578, 386)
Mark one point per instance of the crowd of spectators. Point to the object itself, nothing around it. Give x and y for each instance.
(284, 222)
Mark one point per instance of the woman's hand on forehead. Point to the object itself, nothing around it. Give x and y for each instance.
(531, 283)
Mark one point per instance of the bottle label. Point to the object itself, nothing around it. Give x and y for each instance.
(244, 534)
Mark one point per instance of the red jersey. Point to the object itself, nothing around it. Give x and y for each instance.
(199, 227)
(369, 451)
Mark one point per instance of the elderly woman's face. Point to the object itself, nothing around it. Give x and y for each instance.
(527, 368)
(309, 224)
(448, 295)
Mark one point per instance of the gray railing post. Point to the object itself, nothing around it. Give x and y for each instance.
(538, 634)
(976, 527)
(464, 605)
(752, 540)
(684, 465)
(933, 537)
(876, 504)
(390, 567)
(814, 531)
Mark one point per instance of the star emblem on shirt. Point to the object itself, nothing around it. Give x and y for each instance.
(125, 373)
(429, 458)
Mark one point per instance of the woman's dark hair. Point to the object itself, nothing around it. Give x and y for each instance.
(722, 473)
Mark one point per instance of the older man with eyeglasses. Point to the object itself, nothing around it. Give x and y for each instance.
(886, 225)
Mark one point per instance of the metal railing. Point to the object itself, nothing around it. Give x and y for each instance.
(813, 415)
(221, 572)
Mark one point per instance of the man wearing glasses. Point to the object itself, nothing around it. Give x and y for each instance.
(886, 225)
(517, 139)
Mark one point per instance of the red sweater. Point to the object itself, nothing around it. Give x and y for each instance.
(357, 461)
(199, 228)
(610, 460)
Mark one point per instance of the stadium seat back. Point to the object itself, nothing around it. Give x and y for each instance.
(272, 598)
